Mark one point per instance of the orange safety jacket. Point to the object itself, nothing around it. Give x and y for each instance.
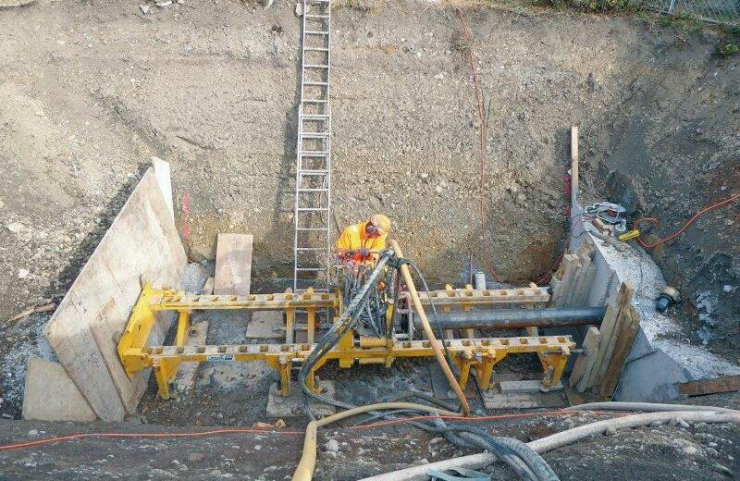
(355, 238)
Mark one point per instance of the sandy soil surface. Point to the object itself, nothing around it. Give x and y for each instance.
(90, 92)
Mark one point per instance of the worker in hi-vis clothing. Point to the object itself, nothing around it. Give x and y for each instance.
(361, 243)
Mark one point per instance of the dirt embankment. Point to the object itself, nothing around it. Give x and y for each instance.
(89, 93)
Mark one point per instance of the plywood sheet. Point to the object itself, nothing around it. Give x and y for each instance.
(233, 264)
(50, 394)
(142, 245)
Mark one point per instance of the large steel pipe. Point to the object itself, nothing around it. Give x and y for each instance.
(521, 318)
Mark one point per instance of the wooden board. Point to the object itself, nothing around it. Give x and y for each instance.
(50, 394)
(265, 325)
(141, 245)
(624, 301)
(233, 264)
(627, 334)
(709, 386)
(187, 373)
(208, 287)
(496, 400)
(584, 363)
(606, 329)
(570, 264)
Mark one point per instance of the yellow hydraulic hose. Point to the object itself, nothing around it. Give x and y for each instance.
(436, 346)
(305, 469)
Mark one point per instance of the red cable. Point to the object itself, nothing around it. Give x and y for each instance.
(680, 231)
(70, 437)
(482, 144)
(191, 434)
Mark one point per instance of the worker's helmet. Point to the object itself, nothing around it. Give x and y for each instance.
(382, 223)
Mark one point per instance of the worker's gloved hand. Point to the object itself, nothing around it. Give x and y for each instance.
(365, 252)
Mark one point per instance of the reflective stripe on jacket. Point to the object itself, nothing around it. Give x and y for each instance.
(355, 238)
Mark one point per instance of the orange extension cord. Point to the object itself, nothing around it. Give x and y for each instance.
(680, 231)
(217, 432)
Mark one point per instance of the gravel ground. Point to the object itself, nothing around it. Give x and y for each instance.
(664, 452)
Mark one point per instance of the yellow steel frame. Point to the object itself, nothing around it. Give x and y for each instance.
(470, 355)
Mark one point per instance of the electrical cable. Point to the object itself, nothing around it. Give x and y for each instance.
(688, 224)
(482, 129)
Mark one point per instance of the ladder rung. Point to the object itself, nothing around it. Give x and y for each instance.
(311, 249)
(313, 154)
(313, 190)
(315, 135)
(311, 209)
(316, 16)
(316, 84)
(314, 101)
(314, 116)
(310, 268)
(313, 228)
(313, 172)
(316, 32)
(311, 65)
(316, 49)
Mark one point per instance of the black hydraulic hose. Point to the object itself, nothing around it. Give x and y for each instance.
(470, 437)
(530, 457)
(347, 320)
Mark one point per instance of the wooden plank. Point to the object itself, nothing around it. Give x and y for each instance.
(627, 335)
(187, 373)
(265, 325)
(584, 287)
(233, 264)
(709, 386)
(606, 329)
(584, 363)
(50, 395)
(624, 301)
(142, 244)
(573, 170)
(582, 283)
(569, 293)
(208, 287)
(570, 264)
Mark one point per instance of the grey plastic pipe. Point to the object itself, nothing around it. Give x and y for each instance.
(475, 461)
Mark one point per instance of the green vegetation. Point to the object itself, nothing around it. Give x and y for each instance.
(727, 49)
(592, 6)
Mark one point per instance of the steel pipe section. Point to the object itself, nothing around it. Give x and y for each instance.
(521, 318)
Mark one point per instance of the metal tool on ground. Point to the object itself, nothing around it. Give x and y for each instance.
(609, 213)
(312, 213)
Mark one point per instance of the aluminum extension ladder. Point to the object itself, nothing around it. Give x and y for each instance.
(312, 241)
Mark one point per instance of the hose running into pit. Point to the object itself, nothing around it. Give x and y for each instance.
(570, 436)
(524, 461)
